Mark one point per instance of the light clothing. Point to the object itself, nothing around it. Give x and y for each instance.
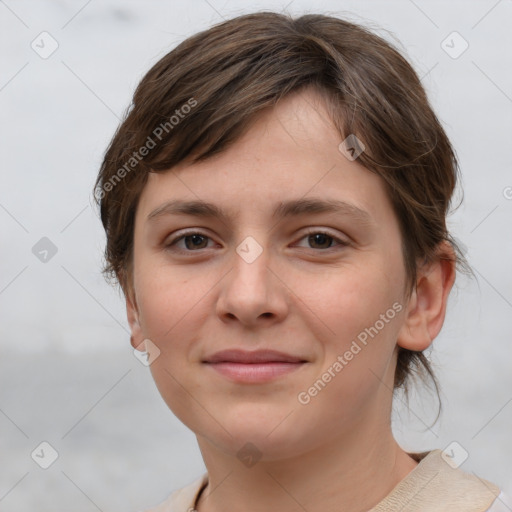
(432, 486)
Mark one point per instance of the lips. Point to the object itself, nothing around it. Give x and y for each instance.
(255, 367)
(257, 356)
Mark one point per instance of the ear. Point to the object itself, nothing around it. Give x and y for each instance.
(132, 313)
(427, 306)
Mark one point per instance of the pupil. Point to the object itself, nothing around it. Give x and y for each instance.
(196, 239)
(319, 238)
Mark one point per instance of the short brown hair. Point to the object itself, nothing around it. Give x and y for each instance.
(227, 74)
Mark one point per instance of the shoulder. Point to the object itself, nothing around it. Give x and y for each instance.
(437, 484)
(182, 500)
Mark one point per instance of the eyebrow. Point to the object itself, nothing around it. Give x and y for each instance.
(284, 209)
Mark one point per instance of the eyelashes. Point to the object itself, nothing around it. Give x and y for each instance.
(197, 238)
(324, 234)
(184, 236)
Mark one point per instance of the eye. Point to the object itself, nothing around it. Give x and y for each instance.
(193, 240)
(322, 239)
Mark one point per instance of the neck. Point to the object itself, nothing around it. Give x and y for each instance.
(350, 474)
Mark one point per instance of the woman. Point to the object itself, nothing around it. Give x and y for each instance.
(275, 206)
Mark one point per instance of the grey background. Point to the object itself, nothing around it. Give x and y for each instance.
(67, 372)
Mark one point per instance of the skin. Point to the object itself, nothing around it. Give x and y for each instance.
(309, 298)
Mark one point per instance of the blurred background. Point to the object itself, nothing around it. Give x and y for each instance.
(68, 375)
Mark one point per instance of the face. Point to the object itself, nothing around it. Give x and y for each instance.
(322, 285)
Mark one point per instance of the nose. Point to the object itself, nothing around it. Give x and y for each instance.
(252, 292)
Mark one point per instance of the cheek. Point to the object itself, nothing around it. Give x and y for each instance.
(361, 307)
(168, 300)
(348, 300)
(172, 311)
(364, 316)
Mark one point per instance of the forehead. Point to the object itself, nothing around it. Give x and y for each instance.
(289, 152)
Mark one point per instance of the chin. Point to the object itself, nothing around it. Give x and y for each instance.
(256, 434)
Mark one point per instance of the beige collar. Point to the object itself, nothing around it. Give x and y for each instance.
(435, 486)
(432, 486)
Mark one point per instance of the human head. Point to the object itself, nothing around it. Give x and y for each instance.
(200, 98)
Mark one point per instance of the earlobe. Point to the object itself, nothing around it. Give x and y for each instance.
(426, 309)
(136, 338)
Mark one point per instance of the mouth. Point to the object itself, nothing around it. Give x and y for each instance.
(253, 367)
